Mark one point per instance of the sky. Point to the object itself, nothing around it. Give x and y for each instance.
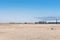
(27, 10)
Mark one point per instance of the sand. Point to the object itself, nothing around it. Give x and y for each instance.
(29, 31)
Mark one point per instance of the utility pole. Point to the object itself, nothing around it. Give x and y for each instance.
(56, 21)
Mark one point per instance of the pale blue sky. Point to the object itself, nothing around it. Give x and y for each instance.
(26, 10)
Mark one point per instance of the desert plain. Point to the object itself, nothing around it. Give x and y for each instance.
(29, 31)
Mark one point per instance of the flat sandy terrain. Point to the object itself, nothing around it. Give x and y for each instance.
(29, 31)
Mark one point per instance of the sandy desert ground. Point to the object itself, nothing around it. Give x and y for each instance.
(29, 31)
